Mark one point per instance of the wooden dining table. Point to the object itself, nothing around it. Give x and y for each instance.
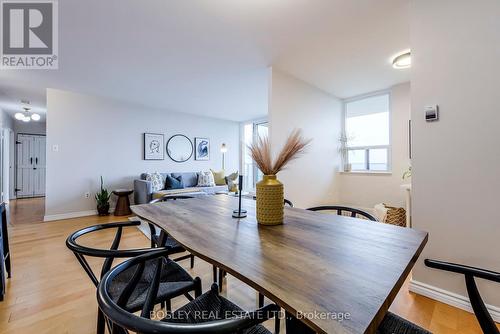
(336, 274)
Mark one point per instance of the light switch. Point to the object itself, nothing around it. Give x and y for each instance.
(55, 148)
(431, 113)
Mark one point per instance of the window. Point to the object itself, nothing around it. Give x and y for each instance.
(367, 133)
(251, 132)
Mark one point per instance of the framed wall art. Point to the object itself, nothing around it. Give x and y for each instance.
(201, 149)
(154, 146)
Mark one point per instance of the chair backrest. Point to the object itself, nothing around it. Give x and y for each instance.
(483, 316)
(286, 201)
(340, 209)
(110, 254)
(123, 319)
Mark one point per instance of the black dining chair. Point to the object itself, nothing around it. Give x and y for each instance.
(341, 209)
(394, 324)
(287, 202)
(208, 313)
(164, 240)
(470, 273)
(174, 280)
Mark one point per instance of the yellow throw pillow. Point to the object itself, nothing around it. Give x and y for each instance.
(232, 182)
(219, 177)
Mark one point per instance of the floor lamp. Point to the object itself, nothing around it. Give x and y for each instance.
(223, 150)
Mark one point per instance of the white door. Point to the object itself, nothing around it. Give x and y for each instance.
(39, 166)
(30, 165)
(24, 182)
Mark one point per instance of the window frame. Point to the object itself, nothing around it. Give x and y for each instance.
(254, 123)
(367, 148)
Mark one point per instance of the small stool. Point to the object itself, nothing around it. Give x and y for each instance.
(123, 203)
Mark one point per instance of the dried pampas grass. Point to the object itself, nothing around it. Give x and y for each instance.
(261, 152)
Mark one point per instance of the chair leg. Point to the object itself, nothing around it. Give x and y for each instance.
(168, 303)
(261, 300)
(197, 288)
(7, 265)
(118, 330)
(277, 323)
(483, 316)
(221, 279)
(192, 261)
(101, 322)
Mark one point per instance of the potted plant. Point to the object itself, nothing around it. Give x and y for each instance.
(344, 152)
(407, 173)
(270, 198)
(102, 200)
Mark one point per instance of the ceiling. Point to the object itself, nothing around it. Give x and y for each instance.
(211, 57)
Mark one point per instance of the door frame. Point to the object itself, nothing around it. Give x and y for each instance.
(12, 164)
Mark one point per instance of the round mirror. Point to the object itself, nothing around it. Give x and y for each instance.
(179, 148)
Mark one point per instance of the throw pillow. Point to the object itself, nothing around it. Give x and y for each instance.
(206, 179)
(232, 182)
(174, 182)
(157, 181)
(219, 177)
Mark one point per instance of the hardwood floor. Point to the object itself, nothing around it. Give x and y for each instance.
(50, 293)
(27, 210)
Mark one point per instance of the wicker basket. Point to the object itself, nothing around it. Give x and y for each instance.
(395, 216)
(270, 202)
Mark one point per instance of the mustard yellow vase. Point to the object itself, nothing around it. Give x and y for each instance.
(270, 201)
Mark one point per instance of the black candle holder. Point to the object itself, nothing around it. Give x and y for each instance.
(240, 213)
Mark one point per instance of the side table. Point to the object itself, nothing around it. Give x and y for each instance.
(123, 203)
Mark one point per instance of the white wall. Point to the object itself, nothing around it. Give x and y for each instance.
(100, 136)
(7, 125)
(7, 120)
(366, 190)
(310, 180)
(455, 50)
(33, 128)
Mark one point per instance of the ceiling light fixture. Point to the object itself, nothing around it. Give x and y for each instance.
(401, 61)
(25, 116)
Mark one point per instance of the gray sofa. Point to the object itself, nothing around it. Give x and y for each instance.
(143, 192)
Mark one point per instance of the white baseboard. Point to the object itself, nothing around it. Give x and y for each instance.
(450, 298)
(69, 215)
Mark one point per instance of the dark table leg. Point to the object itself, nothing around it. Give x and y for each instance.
(295, 326)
